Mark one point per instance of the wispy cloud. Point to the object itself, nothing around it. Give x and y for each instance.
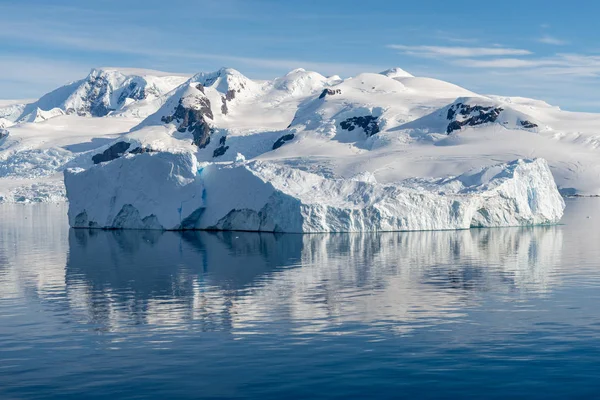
(456, 51)
(547, 39)
(144, 47)
(576, 65)
(22, 77)
(502, 63)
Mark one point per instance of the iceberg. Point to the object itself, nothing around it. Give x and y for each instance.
(172, 191)
(148, 191)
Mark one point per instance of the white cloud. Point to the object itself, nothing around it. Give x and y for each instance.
(547, 39)
(454, 51)
(503, 63)
(576, 65)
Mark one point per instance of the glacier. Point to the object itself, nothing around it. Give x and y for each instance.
(173, 191)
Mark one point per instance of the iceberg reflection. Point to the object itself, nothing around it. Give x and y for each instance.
(236, 281)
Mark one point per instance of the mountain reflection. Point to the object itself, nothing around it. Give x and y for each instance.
(235, 281)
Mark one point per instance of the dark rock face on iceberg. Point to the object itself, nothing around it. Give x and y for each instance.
(113, 152)
(282, 140)
(329, 92)
(368, 123)
(471, 116)
(193, 120)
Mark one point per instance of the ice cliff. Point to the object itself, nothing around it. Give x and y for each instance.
(165, 190)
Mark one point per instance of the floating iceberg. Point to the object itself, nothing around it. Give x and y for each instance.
(173, 191)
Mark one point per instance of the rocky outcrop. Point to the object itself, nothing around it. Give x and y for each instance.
(95, 100)
(229, 96)
(134, 91)
(368, 123)
(461, 114)
(329, 92)
(282, 140)
(113, 152)
(193, 119)
(528, 125)
(141, 150)
(219, 151)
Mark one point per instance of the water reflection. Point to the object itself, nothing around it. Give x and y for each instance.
(169, 315)
(33, 250)
(250, 283)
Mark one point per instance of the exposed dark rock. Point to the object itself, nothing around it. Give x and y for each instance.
(224, 108)
(113, 152)
(133, 91)
(200, 87)
(329, 92)
(95, 98)
(528, 124)
(451, 114)
(281, 141)
(193, 120)
(4, 133)
(368, 123)
(476, 115)
(100, 110)
(453, 126)
(220, 151)
(140, 150)
(230, 95)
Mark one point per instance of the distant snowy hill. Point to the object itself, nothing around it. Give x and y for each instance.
(105, 91)
(382, 127)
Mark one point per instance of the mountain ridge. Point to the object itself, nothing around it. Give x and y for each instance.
(391, 124)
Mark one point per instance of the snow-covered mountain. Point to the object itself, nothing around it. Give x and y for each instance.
(105, 91)
(11, 110)
(386, 127)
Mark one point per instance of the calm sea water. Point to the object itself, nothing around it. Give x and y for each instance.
(492, 313)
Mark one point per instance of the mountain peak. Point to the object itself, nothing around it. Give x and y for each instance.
(396, 73)
(224, 80)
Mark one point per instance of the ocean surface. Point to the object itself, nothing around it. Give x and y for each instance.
(488, 313)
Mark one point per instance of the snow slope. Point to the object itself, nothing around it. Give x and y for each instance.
(33, 155)
(11, 110)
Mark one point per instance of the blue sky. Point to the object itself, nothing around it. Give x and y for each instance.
(541, 49)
